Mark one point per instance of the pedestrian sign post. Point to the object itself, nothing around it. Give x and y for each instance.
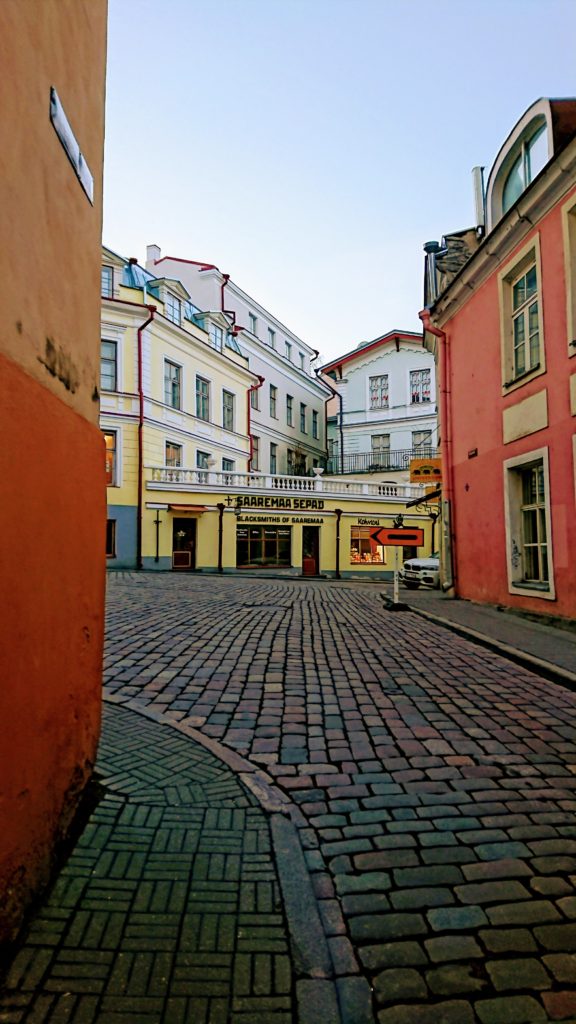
(397, 537)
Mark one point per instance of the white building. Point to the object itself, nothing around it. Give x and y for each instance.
(288, 411)
(385, 412)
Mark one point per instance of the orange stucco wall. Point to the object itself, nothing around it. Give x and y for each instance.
(477, 404)
(51, 458)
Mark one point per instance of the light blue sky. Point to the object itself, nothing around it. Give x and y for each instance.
(310, 147)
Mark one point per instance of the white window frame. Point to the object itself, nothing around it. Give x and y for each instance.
(569, 233)
(216, 334)
(303, 418)
(108, 428)
(253, 324)
(378, 406)
(171, 362)
(424, 445)
(272, 338)
(289, 410)
(315, 424)
(175, 444)
(513, 524)
(173, 308)
(273, 400)
(208, 396)
(288, 350)
(110, 341)
(527, 257)
(110, 294)
(418, 386)
(226, 391)
(273, 456)
(256, 454)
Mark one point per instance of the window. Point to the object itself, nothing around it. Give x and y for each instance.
(521, 317)
(107, 282)
(295, 463)
(422, 439)
(228, 410)
(216, 337)
(255, 399)
(172, 384)
(253, 323)
(419, 386)
(111, 442)
(110, 538)
(302, 418)
(273, 395)
(271, 338)
(255, 464)
(173, 454)
(530, 161)
(380, 450)
(263, 545)
(315, 433)
(202, 398)
(228, 465)
(202, 460)
(288, 350)
(108, 366)
(378, 387)
(289, 410)
(173, 308)
(528, 524)
(363, 549)
(302, 360)
(525, 323)
(273, 457)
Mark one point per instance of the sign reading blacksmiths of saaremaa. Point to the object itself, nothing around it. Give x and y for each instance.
(260, 501)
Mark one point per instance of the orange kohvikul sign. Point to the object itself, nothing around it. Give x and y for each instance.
(425, 471)
(409, 536)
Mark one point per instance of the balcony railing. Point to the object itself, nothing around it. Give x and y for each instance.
(167, 478)
(377, 462)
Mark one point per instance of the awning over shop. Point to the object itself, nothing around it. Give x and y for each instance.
(187, 508)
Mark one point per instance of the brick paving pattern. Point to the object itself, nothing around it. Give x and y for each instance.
(432, 782)
(169, 908)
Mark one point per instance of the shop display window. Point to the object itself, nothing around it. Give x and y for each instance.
(363, 549)
(263, 545)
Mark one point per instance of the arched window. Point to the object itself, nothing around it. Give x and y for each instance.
(530, 161)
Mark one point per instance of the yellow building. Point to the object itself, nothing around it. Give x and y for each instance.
(175, 411)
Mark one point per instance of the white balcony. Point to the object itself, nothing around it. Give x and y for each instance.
(168, 478)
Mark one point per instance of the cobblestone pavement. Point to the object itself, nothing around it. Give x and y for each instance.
(431, 784)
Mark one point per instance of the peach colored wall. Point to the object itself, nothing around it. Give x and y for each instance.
(477, 405)
(51, 458)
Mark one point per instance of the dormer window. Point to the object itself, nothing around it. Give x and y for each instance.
(173, 308)
(217, 337)
(529, 162)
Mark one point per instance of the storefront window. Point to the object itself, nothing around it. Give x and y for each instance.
(363, 548)
(263, 545)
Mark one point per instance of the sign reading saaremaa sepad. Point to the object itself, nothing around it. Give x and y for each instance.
(425, 471)
(259, 501)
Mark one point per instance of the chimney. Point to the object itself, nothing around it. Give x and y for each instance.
(479, 200)
(153, 254)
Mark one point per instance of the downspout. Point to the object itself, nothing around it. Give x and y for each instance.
(336, 394)
(446, 439)
(141, 329)
(338, 512)
(227, 312)
(253, 387)
(220, 506)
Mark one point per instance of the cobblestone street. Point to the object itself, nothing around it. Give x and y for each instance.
(315, 810)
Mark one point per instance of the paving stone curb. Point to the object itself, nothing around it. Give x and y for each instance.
(554, 673)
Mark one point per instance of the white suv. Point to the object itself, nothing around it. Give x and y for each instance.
(421, 572)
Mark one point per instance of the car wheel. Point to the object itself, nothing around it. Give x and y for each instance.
(411, 585)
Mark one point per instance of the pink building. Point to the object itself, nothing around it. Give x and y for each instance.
(500, 317)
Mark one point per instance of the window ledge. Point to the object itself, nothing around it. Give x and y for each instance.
(521, 376)
(531, 585)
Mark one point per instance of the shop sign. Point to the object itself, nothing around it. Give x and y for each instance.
(259, 501)
(368, 521)
(425, 471)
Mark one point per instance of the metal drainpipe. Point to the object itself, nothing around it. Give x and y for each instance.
(338, 512)
(152, 310)
(220, 506)
(336, 394)
(253, 387)
(446, 434)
